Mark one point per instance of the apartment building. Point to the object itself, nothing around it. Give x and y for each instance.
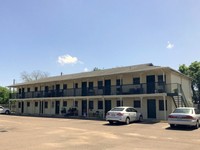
(153, 90)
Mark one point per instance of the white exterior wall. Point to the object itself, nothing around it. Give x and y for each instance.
(126, 79)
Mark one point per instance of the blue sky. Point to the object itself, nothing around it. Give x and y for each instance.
(73, 36)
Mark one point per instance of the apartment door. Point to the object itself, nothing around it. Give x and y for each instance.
(150, 84)
(84, 107)
(57, 107)
(22, 109)
(151, 108)
(107, 87)
(23, 93)
(46, 90)
(41, 107)
(57, 90)
(84, 88)
(107, 106)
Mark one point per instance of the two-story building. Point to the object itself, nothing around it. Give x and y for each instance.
(153, 90)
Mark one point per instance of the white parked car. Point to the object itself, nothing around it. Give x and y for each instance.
(4, 110)
(184, 116)
(123, 114)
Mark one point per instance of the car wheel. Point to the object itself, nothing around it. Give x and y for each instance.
(140, 118)
(197, 125)
(7, 112)
(172, 125)
(111, 122)
(127, 121)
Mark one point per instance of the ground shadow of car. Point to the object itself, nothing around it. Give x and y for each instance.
(181, 128)
(134, 122)
(117, 124)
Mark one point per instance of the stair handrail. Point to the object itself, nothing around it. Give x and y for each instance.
(183, 97)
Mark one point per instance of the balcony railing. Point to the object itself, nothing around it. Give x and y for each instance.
(112, 90)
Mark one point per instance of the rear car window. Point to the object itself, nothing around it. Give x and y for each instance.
(185, 111)
(117, 109)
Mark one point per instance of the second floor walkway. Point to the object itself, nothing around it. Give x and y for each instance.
(99, 91)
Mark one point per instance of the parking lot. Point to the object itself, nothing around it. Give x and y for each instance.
(22, 133)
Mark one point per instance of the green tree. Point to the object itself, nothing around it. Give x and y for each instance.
(4, 95)
(193, 71)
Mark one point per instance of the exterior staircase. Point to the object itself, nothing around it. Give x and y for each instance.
(179, 98)
(178, 101)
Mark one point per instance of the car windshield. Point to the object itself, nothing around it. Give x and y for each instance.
(184, 111)
(117, 109)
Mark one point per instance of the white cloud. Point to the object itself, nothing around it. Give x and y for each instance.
(67, 59)
(86, 69)
(169, 45)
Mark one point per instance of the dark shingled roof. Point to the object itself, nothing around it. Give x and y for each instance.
(97, 73)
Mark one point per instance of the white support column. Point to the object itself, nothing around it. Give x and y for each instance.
(121, 84)
(141, 101)
(43, 108)
(103, 108)
(163, 76)
(121, 101)
(32, 107)
(165, 111)
(51, 106)
(74, 102)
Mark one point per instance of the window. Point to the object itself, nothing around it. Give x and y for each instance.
(137, 104)
(100, 104)
(161, 105)
(57, 87)
(28, 89)
(90, 85)
(28, 104)
(19, 104)
(128, 110)
(183, 110)
(36, 89)
(118, 103)
(132, 110)
(46, 88)
(64, 103)
(160, 79)
(76, 85)
(45, 104)
(91, 105)
(64, 86)
(100, 84)
(36, 104)
(76, 104)
(117, 109)
(20, 91)
(118, 83)
(136, 80)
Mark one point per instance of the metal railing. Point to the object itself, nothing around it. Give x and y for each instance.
(127, 89)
